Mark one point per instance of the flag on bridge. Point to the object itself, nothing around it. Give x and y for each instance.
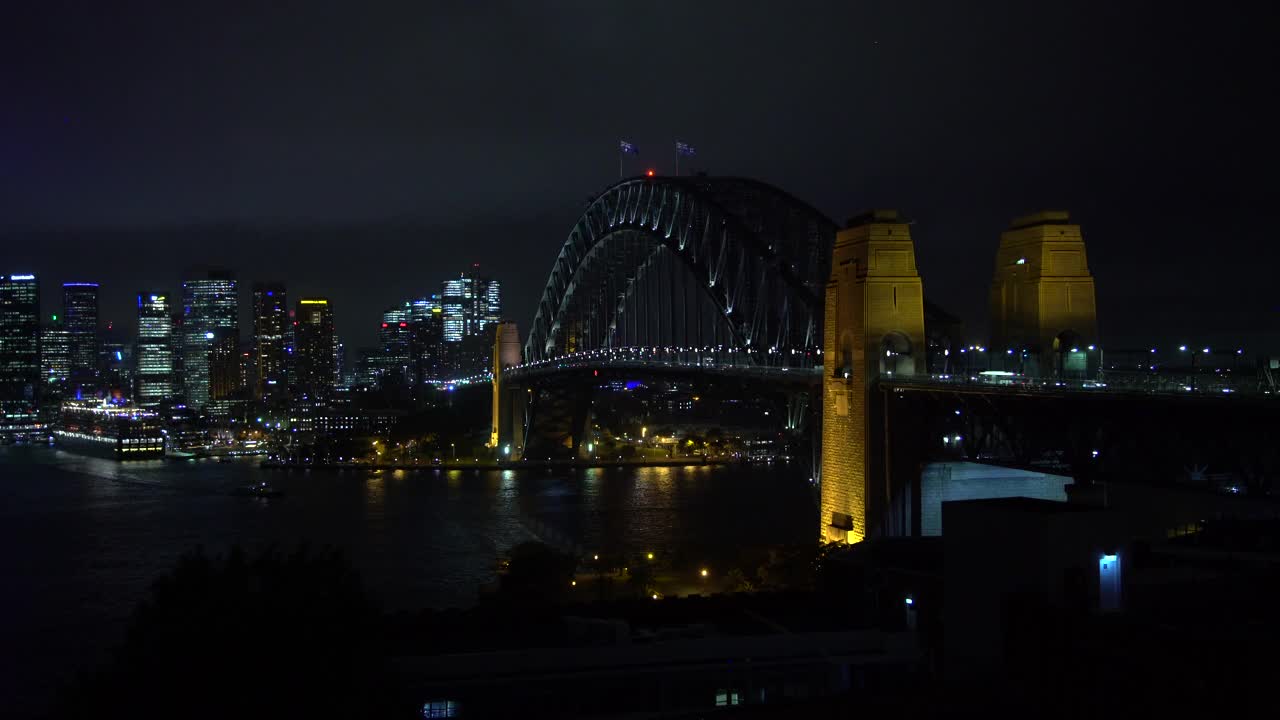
(627, 148)
(685, 149)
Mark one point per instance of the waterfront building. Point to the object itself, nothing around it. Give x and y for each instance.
(154, 350)
(19, 351)
(270, 321)
(210, 313)
(80, 316)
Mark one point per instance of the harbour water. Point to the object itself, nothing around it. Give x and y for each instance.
(82, 538)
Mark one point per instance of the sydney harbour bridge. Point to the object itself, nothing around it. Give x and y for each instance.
(734, 283)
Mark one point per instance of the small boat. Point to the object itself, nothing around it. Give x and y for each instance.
(262, 489)
(224, 459)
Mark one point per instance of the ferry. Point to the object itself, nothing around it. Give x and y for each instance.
(120, 432)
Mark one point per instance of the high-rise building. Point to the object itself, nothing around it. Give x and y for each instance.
(80, 316)
(270, 321)
(313, 353)
(471, 306)
(210, 313)
(426, 323)
(394, 337)
(19, 350)
(339, 365)
(455, 297)
(116, 364)
(55, 357)
(224, 372)
(155, 350)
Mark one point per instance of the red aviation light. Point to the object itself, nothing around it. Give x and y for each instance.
(384, 324)
(649, 172)
(404, 324)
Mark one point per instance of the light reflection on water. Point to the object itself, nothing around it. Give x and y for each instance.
(82, 538)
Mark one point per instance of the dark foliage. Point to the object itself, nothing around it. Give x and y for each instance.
(274, 635)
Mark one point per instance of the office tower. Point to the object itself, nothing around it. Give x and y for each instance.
(491, 309)
(368, 367)
(394, 337)
(471, 307)
(116, 365)
(80, 316)
(455, 296)
(19, 350)
(270, 321)
(154, 350)
(426, 323)
(248, 366)
(55, 357)
(210, 314)
(224, 372)
(339, 364)
(313, 353)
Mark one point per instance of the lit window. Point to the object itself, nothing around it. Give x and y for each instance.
(440, 709)
(724, 698)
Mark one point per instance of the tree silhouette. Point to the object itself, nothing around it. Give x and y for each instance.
(270, 636)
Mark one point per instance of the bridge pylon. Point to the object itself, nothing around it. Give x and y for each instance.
(506, 431)
(874, 327)
(1042, 299)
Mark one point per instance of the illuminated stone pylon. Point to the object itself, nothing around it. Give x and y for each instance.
(506, 433)
(874, 327)
(1042, 299)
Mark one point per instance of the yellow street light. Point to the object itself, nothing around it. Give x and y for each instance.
(704, 572)
(650, 556)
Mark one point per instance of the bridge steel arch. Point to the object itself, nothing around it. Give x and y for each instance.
(756, 254)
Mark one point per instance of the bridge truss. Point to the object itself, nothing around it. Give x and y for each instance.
(708, 270)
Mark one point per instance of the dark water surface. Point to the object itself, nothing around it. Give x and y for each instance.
(81, 538)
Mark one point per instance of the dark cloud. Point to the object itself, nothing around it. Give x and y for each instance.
(484, 125)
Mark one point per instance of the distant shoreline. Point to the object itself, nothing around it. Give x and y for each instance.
(493, 465)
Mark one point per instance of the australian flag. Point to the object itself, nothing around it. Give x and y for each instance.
(685, 149)
(627, 148)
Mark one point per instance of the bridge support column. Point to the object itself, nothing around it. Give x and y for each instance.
(874, 328)
(506, 432)
(1042, 299)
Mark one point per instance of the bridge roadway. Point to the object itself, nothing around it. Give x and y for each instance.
(738, 364)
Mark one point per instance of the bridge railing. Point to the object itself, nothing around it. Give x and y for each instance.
(1109, 383)
(710, 359)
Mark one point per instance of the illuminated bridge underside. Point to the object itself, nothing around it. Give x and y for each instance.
(708, 263)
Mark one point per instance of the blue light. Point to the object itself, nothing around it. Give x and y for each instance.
(119, 357)
(270, 293)
(208, 335)
(22, 277)
(1108, 558)
(910, 602)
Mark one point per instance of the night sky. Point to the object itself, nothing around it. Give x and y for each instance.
(366, 153)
